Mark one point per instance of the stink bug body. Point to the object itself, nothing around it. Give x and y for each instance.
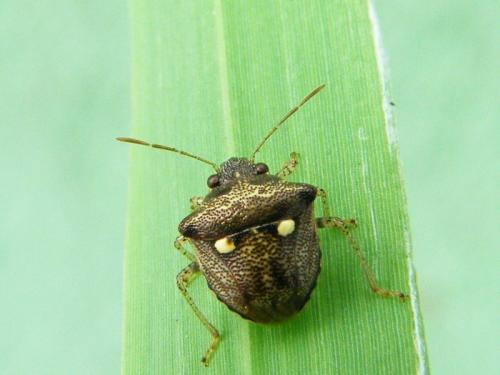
(254, 239)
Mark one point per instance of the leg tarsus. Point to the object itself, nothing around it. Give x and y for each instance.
(184, 278)
(390, 293)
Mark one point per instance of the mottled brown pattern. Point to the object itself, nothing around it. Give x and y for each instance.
(245, 203)
(267, 277)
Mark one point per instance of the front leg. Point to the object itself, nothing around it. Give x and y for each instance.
(195, 202)
(184, 278)
(179, 245)
(328, 221)
(289, 166)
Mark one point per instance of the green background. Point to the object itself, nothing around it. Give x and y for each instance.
(64, 86)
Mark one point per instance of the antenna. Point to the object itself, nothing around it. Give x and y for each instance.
(289, 114)
(161, 147)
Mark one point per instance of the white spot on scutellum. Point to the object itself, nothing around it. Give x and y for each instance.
(286, 227)
(224, 245)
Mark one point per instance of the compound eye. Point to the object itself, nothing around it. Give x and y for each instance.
(261, 168)
(213, 181)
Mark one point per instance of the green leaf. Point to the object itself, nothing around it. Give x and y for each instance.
(212, 78)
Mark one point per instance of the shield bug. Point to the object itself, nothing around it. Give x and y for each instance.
(255, 239)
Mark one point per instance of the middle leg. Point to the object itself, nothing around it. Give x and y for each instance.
(328, 221)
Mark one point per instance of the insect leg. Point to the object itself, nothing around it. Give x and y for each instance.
(195, 202)
(352, 223)
(289, 166)
(328, 221)
(179, 242)
(184, 278)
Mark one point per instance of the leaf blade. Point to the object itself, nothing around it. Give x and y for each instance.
(235, 72)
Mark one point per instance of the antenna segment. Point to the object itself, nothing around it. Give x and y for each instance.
(289, 114)
(167, 148)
